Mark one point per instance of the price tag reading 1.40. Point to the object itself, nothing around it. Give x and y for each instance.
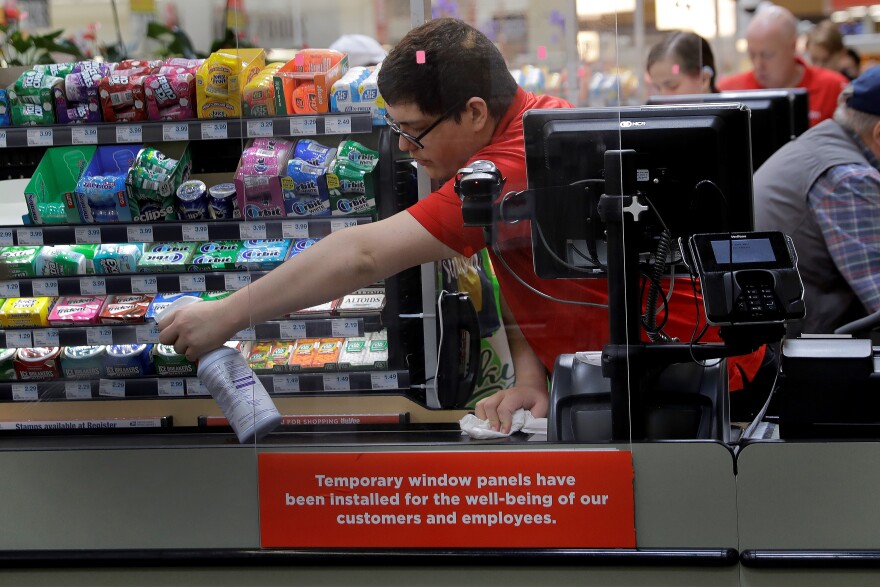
(111, 388)
(25, 392)
(192, 283)
(99, 335)
(252, 230)
(175, 132)
(139, 234)
(260, 128)
(18, 339)
(171, 387)
(337, 382)
(148, 284)
(195, 387)
(236, 281)
(335, 125)
(45, 337)
(129, 133)
(6, 237)
(285, 383)
(93, 286)
(384, 380)
(195, 232)
(84, 135)
(292, 329)
(9, 289)
(77, 390)
(214, 130)
(344, 328)
(340, 223)
(40, 137)
(45, 287)
(294, 229)
(303, 125)
(87, 235)
(30, 236)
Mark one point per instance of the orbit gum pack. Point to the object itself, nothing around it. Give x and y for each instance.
(257, 179)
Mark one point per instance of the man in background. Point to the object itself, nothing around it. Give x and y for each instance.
(772, 39)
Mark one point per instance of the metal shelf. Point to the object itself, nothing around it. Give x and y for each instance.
(109, 133)
(68, 234)
(169, 387)
(148, 333)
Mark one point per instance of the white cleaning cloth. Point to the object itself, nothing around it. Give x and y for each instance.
(523, 421)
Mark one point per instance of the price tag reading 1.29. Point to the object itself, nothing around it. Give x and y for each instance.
(45, 287)
(87, 235)
(294, 229)
(99, 335)
(40, 137)
(129, 133)
(147, 333)
(9, 289)
(214, 130)
(335, 125)
(252, 230)
(344, 328)
(260, 128)
(195, 232)
(337, 382)
(303, 125)
(84, 135)
(139, 234)
(175, 132)
(147, 284)
(236, 281)
(192, 283)
(18, 339)
(45, 337)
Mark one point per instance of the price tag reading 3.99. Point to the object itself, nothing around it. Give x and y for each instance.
(93, 286)
(87, 235)
(294, 229)
(30, 236)
(139, 234)
(40, 137)
(195, 232)
(175, 132)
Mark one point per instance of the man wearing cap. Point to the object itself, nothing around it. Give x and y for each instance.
(823, 190)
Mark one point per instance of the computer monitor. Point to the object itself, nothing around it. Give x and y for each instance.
(693, 168)
(778, 116)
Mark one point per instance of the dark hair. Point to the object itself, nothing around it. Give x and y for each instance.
(459, 63)
(826, 35)
(691, 51)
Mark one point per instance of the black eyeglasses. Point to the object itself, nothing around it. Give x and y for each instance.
(417, 140)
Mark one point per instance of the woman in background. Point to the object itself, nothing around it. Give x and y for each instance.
(682, 63)
(826, 49)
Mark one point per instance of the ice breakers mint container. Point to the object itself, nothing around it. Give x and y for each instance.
(233, 385)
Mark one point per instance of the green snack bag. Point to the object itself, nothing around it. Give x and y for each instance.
(213, 296)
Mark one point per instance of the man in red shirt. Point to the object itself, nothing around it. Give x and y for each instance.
(772, 39)
(452, 101)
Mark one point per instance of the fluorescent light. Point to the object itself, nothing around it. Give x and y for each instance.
(594, 8)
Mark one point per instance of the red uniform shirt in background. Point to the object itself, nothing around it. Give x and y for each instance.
(823, 87)
(551, 328)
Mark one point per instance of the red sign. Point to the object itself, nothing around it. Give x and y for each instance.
(465, 499)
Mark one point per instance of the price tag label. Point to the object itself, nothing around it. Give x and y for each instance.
(260, 128)
(384, 380)
(285, 383)
(99, 335)
(77, 390)
(147, 284)
(111, 388)
(236, 281)
(194, 386)
(147, 333)
(139, 234)
(87, 235)
(340, 223)
(192, 283)
(303, 125)
(40, 137)
(30, 236)
(175, 132)
(17, 339)
(294, 229)
(344, 328)
(45, 287)
(195, 232)
(6, 237)
(252, 230)
(337, 382)
(246, 334)
(291, 330)
(336, 125)
(84, 135)
(93, 286)
(171, 387)
(129, 133)
(46, 337)
(9, 289)
(25, 392)
(214, 130)
(2, 139)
